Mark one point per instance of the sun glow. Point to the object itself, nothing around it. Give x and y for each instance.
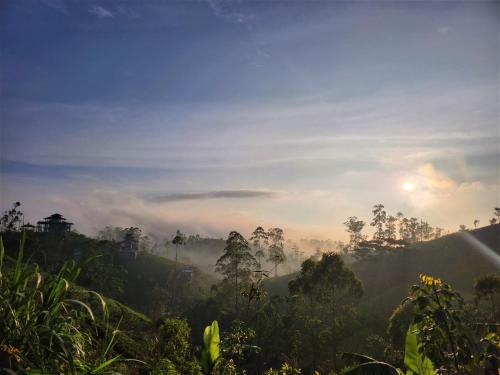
(408, 186)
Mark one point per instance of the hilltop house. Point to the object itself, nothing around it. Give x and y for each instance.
(54, 223)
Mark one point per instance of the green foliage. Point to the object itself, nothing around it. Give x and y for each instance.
(488, 288)
(164, 366)
(378, 221)
(285, 369)
(236, 343)
(415, 361)
(322, 309)
(43, 328)
(237, 263)
(354, 228)
(211, 347)
(175, 345)
(439, 316)
(276, 248)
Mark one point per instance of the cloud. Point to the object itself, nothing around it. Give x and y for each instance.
(435, 179)
(220, 194)
(57, 5)
(100, 12)
(223, 10)
(444, 29)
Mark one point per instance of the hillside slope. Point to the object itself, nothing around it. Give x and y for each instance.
(454, 258)
(147, 284)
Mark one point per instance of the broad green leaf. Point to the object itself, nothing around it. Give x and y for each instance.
(214, 342)
(415, 361)
(211, 350)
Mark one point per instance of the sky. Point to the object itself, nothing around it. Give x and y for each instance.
(212, 116)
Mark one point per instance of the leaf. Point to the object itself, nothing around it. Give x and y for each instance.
(84, 305)
(373, 368)
(356, 357)
(414, 360)
(104, 365)
(214, 342)
(211, 350)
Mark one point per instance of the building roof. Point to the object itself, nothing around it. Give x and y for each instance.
(54, 218)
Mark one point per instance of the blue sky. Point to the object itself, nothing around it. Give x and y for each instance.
(219, 115)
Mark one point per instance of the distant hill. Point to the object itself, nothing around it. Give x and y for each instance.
(148, 283)
(387, 279)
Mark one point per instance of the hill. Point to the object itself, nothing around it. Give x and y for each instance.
(455, 258)
(149, 284)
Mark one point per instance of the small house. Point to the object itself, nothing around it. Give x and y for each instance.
(54, 223)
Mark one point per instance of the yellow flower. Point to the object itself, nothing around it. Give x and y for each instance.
(430, 281)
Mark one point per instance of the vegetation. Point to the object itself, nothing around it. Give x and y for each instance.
(71, 304)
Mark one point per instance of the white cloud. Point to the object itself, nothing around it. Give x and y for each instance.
(444, 29)
(100, 12)
(57, 5)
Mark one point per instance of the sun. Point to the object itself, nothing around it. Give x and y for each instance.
(408, 186)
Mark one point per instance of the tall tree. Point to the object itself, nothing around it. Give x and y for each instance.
(276, 247)
(425, 231)
(178, 240)
(131, 237)
(237, 262)
(378, 221)
(324, 295)
(260, 241)
(476, 223)
(413, 229)
(354, 227)
(401, 227)
(390, 228)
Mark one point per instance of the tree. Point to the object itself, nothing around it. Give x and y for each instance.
(488, 287)
(401, 225)
(322, 301)
(260, 241)
(12, 219)
(276, 248)
(426, 231)
(131, 239)
(476, 222)
(378, 221)
(237, 262)
(437, 232)
(178, 240)
(493, 221)
(354, 228)
(497, 213)
(390, 228)
(413, 229)
(439, 316)
(462, 228)
(295, 257)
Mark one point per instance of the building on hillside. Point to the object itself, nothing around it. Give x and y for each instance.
(54, 223)
(130, 245)
(187, 274)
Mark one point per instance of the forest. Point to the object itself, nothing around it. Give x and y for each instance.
(406, 299)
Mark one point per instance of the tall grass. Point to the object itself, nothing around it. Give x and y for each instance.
(43, 329)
